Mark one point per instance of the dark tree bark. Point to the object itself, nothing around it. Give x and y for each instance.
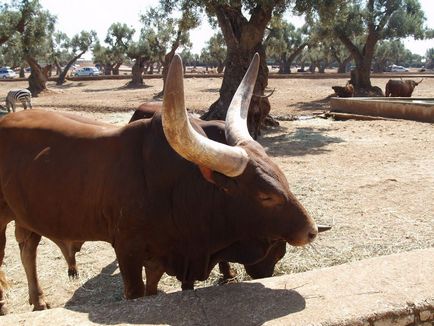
(243, 39)
(22, 72)
(137, 73)
(168, 59)
(116, 68)
(342, 68)
(62, 76)
(108, 67)
(38, 76)
(286, 62)
(361, 75)
(220, 67)
(312, 67)
(284, 66)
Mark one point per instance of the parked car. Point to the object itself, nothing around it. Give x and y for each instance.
(7, 73)
(87, 71)
(394, 68)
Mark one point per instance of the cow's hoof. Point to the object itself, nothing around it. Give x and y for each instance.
(3, 310)
(39, 307)
(230, 275)
(72, 273)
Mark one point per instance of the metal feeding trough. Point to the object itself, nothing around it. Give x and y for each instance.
(418, 109)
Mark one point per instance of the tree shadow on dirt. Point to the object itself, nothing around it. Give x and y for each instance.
(317, 105)
(68, 85)
(302, 141)
(210, 90)
(121, 88)
(232, 304)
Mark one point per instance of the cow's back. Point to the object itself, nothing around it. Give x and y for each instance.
(62, 178)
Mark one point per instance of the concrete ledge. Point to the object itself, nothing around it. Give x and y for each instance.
(389, 290)
(418, 109)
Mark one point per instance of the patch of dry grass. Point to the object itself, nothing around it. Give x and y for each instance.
(373, 181)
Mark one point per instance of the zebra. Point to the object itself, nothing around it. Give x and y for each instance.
(22, 95)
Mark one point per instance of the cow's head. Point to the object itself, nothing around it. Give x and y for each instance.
(412, 83)
(241, 169)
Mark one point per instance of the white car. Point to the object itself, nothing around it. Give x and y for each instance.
(398, 69)
(87, 71)
(7, 73)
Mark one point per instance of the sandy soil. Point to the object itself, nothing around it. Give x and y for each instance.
(373, 181)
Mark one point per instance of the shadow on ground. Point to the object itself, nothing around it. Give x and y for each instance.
(302, 141)
(104, 288)
(210, 90)
(322, 104)
(68, 85)
(125, 87)
(232, 304)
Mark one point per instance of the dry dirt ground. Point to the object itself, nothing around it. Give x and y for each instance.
(372, 181)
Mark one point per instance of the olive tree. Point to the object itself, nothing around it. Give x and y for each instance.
(169, 34)
(71, 50)
(372, 20)
(243, 25)
(285, 42)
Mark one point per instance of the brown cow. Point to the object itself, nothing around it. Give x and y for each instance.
(258, 111)
(164, 195)
(346, 91)
(400, 88)
(215, 130)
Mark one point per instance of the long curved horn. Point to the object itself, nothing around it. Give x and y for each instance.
(187, 142)
(236, 117)
(267, 96)
(419, 82)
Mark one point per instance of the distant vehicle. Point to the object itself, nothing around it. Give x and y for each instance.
(7, 73)
(394, 68)
(87, 71)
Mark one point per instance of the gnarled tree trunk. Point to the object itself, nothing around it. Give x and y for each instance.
(116, 68)
(137, 73)
(62, 76)
(243, 39)
(38, 76)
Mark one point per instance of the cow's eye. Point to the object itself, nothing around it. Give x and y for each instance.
(269, 200)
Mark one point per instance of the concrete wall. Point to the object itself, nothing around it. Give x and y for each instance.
(389, 290)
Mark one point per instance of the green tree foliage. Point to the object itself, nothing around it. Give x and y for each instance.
(11, 53)
(429, 59)
(373, 20)
(118, 39)
(167, 33)
(13, 17)
(285, 42)
(29, 28)
(242, 24)
(388, 53)
(319, 56)
(214, 52)
(70, 50)
(140, 53)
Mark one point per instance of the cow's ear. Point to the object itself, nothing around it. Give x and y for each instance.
(207, 173)
(223, 182)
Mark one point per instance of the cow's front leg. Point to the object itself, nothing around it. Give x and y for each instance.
(3, 282)
(130, 262)
(153, 276)
(187, 285)
(226, 271)
(28, 242)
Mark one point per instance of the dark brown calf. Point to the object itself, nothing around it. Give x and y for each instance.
(400, 88)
